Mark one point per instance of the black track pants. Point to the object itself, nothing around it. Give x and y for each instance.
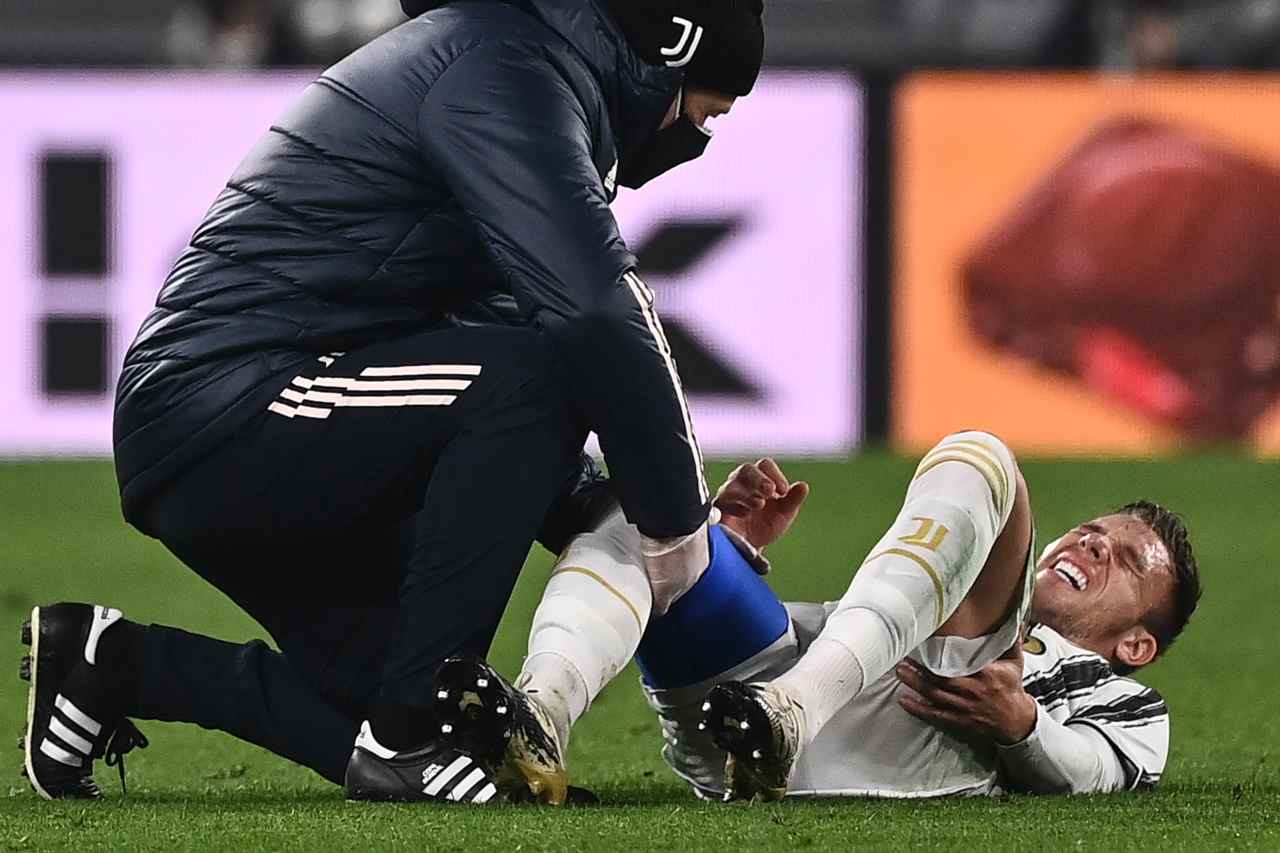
(374, 521)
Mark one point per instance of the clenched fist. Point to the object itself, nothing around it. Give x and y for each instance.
(758, 503)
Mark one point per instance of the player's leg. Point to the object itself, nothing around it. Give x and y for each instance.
(919, 580)
(584, 631)
(596, 608)
(595, 611)
(589, 621)
(950, 563)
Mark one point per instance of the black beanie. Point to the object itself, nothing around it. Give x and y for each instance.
(718, 43)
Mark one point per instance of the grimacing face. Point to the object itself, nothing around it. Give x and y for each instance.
(1101, 582)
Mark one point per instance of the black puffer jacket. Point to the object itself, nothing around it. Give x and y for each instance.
(466, 155)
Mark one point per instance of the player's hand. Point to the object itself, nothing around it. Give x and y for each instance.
(758, 503)
(990, 705)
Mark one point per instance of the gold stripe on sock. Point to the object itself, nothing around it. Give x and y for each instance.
(993, 455)
(978, 450)
(922, 563)
(979, 462)
(635, 614)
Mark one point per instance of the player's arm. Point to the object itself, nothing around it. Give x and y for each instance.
(510, 137)
(1117, 739)
(1037, 753)
(1061, 759)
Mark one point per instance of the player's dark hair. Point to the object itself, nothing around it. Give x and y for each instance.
(1172, 531)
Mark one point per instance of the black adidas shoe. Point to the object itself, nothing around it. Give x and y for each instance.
(71, 713)
(762, 729)
(435, 773)
(482, 713)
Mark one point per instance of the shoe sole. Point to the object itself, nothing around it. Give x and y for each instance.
(740, 727)
(473, 703)
(31, 636)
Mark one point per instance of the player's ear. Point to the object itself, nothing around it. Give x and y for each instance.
(1137, 647)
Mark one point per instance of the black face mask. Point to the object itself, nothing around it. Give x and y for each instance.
(662, 152)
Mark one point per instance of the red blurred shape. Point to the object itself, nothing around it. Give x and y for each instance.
(1112, 362)
(1146, 264)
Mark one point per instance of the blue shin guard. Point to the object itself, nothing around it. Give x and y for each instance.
(728, 617)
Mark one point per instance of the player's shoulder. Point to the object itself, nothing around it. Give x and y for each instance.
(1056, 670)
(1045, 650)
(1073, 682)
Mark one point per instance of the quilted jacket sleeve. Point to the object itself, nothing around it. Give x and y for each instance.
(512, 140)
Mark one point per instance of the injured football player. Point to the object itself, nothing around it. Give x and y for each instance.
(955, 663)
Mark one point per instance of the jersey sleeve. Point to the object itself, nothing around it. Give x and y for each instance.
(1135, 721)
(512, 140)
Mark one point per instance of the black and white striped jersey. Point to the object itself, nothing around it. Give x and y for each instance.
(1077, 687)
(873, 748)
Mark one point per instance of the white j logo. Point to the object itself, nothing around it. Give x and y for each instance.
(685, 48)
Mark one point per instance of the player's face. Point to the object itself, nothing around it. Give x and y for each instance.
(1099, 583)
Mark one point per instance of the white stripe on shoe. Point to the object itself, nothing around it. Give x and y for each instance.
(59, 754)
(366, 741)
(446, 775)
(485, 794)
(69, 737)
(103, 618)
(467, 783)
(75, 715)
(644, 298)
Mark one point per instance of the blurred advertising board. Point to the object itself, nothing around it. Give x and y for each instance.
(754, 251)
(1088, 264)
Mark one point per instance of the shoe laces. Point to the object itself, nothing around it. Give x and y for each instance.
(124, 740)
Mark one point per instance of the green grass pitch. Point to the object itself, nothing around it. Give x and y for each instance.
(61, 538)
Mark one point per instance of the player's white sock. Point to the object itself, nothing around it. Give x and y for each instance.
(589, 622)
(915, 577)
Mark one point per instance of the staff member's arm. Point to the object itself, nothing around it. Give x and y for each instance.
(513, 139)
(1037, 754)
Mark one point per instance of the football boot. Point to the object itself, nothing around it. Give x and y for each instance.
(73, 702)
(435, 772)
(762, 729)
(482, 712)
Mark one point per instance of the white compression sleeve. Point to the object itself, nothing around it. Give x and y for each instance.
(1061, 759)
(915, 577)
(674, 566)
(589, 622)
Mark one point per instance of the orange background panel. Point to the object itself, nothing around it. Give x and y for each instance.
(969, 148)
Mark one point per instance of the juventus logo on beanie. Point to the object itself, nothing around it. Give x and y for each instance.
(718, 43)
